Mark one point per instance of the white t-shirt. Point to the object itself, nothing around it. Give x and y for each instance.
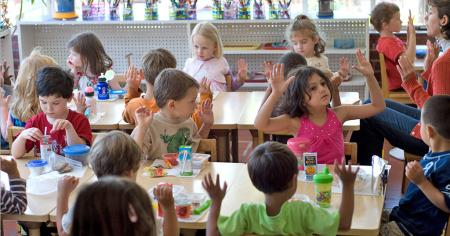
(320, 63)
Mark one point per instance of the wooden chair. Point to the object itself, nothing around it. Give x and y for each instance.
(208, 146)
(408, 157)
(400, 96)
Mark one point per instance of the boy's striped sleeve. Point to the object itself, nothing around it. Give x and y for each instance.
(15, 200)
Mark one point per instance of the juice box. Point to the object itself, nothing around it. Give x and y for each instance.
(310, 162)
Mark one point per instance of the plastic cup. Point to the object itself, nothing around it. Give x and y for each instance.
(323, 182)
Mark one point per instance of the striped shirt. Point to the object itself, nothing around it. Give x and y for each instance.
(15, 200)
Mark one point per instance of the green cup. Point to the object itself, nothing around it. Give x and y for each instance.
(323, 182)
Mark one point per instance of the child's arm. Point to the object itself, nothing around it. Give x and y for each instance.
(71, 134)
(144, 118)
(267, 67)
(347, 177)
(216, 194)
(15, 200)
(165, 199)
(229, 81)
(410, 51)
(18, 147)
(66, 185)
(207, 117)
(80, 102)
(377, 104)
(4, 110)
(336, 80)
(414, 172)
(263, 120)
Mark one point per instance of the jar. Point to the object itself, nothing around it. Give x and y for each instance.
(77, 152)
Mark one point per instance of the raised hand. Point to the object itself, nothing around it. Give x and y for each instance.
(242, 70)
(163, 194)
(405, 67)
(277, 81)
(410, 31)
(205, 86)
(346, 174)
(9, 167)
(143, 116)
(80, 102)
(344, 67)
(267, 66)
(4, 101)
(133, 78)
(213, 189)
(432, 54)
(363, 65)
(206, 112)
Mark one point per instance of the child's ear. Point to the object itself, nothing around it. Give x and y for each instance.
(444, 20)
(171, 104)
(431, 131)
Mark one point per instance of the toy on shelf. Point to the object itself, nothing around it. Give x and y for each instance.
(128, 10)
(151, 10)
(114, 9)
(93, 9)
(325, 9)
(258, 12)
(229, 10)
(217, 10)
(178, 11)
(284, 45)
(65, 9)
(244, 10)
(273, 10)
(284, 9)
(191, 9)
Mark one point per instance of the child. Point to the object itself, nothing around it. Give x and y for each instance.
(272, 168)
(15, 200)
(208, 60)
(115, 206)
(87, 60)
(175, 94)
(115, 154)
(25, 102)
(385, 18)
(153, 63)
(425, 207)
(54, 88)
(305, 39)
(305, 111)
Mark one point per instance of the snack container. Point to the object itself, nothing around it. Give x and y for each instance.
(183, 209)
(36, 167)
(310, 164)
(172, 158)
(77, 152)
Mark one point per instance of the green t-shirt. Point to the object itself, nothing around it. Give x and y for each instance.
(295, 218)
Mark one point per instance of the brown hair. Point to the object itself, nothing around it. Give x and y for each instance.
(113, 206)
(155, 61)
(92, 53)
(291, 60)
(443, 7)
(382, 13)
(436, 112)
(271, 167)
(294, 99)
(116, 153)
(305, 25)
(172, 84)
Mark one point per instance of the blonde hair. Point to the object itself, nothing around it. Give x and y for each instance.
(25, 101)
(303, 24)
(210, 32)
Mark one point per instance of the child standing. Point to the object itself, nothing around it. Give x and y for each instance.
(175, 94)
(153, 63)
(385, 18)
(425, 207)
(87, 60)
(208, 61)
(272, 168)
(54, 88)
(305, 112)
(13, 201)
(115, 154)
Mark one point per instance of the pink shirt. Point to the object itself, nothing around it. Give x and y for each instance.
(214, 70)
(327, 140)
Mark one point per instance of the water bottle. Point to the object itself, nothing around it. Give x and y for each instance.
(185, 156)
(102, 88)
(91, 103)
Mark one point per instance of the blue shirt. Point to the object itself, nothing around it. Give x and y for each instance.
(415, 212)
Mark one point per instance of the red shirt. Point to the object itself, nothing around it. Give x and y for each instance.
(392, 48)
(79, 122)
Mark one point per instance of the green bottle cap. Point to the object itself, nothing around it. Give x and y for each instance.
(323, 177)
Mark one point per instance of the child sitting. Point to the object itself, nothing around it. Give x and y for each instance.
(175, 94)
(272, 168)
(54, 88)
(153, 63)
(424, 208)
(385, 18)
(114, 206)
(13, 201)
(115, 154)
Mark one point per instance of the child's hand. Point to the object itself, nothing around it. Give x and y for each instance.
(165, 197)
(133, 78)
(277, 81)
(432, 54)
(205, 86)
(242, 70)
(363, 66)
(405, 67)
(4, 101)
(10, 167)
(214, 191)
(410, 31)
(143, 116)
(346, 175)
(32, 134)
(336, 80)
(61, 124)
(66, 184)
(4, 73)
(344, 67)
(267, 65)
(80, 102)
(206, 113)
(414, 172)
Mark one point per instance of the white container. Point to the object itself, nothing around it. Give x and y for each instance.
(36, 167)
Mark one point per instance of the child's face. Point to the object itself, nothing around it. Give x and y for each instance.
(185, 107)
(54, 107)
(204, 48)
(395, 24)
(303, 43)
(432, 22)
(75, 59)
(320, 94)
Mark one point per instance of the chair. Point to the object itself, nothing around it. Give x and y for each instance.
(408, 157)
(208, 146)
(13, 132)
(399, 96)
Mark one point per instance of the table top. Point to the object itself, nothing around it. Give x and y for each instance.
(109, 114)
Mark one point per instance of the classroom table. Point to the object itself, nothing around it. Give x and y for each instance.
(39, 206)
(366, 215)
(109, 114)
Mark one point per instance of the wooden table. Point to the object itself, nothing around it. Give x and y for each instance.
(366, 215)
(39, 207)
(111, 114)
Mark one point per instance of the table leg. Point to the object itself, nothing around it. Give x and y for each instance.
(255, 137)
(34, 228)
(188, 232)
(235, 145)
(223, 145)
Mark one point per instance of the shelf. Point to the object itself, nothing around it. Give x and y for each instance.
(261, 51)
